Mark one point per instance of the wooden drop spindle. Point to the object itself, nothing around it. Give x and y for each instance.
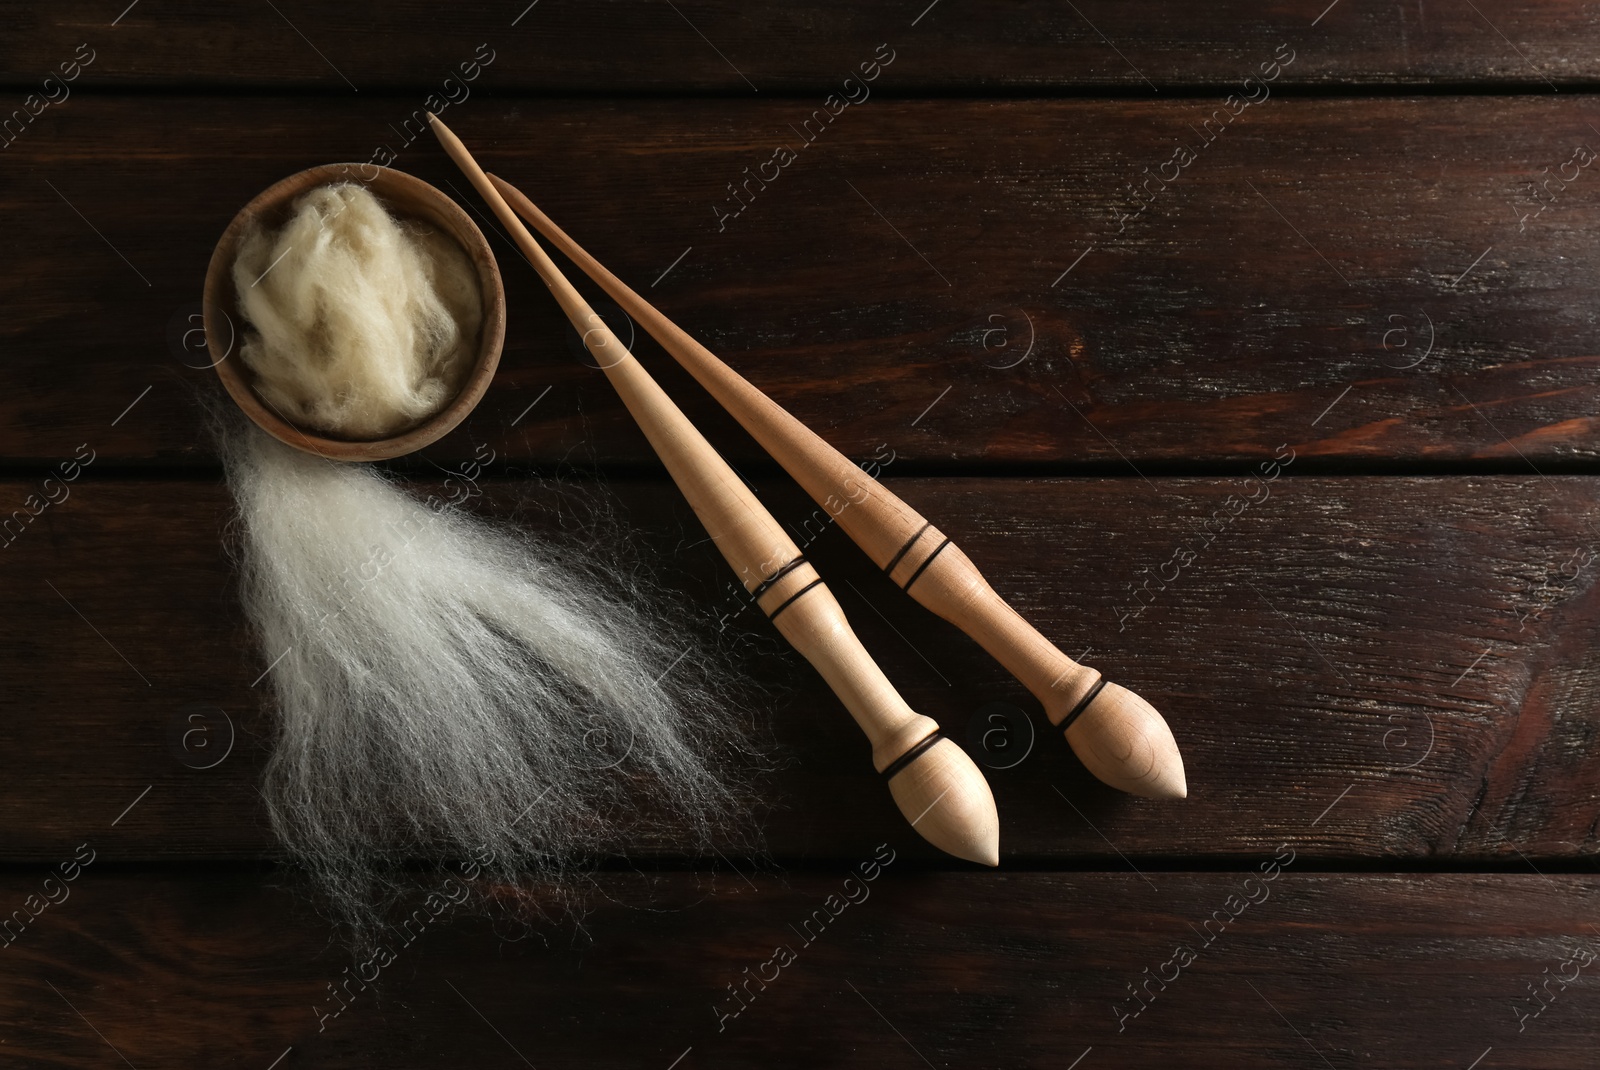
(938, 788)
(1118, 735)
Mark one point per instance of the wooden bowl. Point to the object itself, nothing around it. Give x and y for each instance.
(406, 198)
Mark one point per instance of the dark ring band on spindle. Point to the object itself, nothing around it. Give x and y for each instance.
(913, 754)
(790, 600)
(1083, 704)
(925, 564)
(765, 585)
(895, 560)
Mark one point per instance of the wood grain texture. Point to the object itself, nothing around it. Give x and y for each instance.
(1386, 667)
(727, 47)
(206, 968)
(957, 278)
(1277, 292)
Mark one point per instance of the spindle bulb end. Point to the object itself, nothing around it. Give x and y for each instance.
(947, 800)
(1126, 743)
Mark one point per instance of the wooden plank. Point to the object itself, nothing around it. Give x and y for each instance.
(1394, 666)
(945, 277)
(1011, 969)
(725, 47)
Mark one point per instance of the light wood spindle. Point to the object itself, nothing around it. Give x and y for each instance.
(938, 788)
(1118, 735)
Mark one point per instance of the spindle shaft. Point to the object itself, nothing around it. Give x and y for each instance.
(935, 784)
(1118, 735)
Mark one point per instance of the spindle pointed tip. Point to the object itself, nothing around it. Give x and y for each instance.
(447, 139)
(1126, 743)
(947, 800)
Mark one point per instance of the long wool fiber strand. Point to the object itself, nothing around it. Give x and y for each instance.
(448, 687)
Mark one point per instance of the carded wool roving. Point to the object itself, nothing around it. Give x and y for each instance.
(363, 325)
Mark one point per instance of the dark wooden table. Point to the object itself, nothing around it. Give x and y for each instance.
(1079, 270)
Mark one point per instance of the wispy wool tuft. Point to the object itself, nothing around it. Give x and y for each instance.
(449, 688)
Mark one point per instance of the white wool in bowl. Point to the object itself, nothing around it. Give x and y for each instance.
(363, 325)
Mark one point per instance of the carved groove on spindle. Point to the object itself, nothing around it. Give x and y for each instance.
(1083, 704)
(766, 585)
(785, 585)
(895, 560)
(915, 555)
(913, 754)
(791, 599)
(923, 567)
